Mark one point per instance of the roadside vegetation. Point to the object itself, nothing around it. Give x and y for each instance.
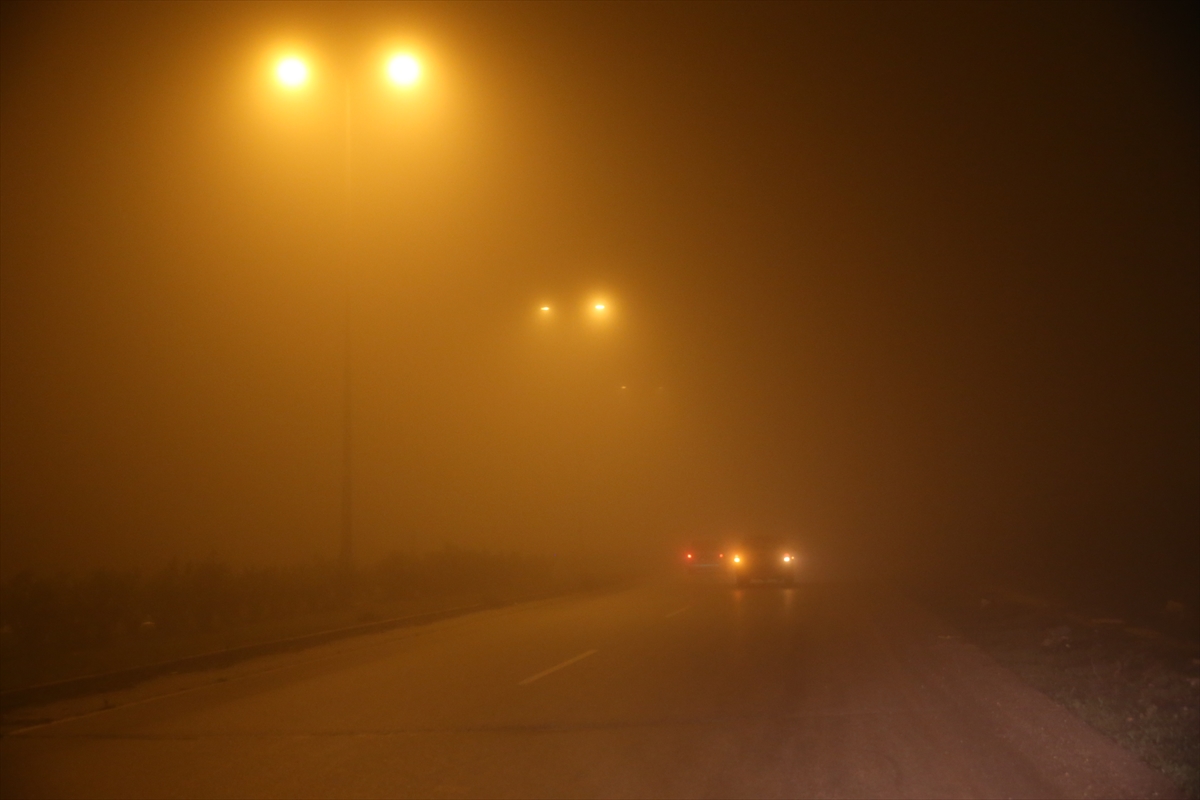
(1131, 672)
(54, 627)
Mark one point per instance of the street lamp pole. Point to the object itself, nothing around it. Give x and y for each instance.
(346, 541)
(404, 71)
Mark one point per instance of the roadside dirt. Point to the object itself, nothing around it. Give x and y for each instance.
(1129, 681)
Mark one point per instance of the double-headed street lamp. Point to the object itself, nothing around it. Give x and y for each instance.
(293, 73)
(402, 69)
(597, 309)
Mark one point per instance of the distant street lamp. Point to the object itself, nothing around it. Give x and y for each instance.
(404, 71)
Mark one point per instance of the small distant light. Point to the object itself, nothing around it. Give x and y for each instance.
(689, 555)
(722, 555)
(545, 308)
(622, 387)
(737, 559)
(787, 558)
(599, 306)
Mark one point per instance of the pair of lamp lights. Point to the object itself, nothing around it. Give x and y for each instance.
(402, 70)
(599, 308)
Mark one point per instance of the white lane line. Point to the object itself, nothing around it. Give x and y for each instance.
(556, 668)
(677, 611)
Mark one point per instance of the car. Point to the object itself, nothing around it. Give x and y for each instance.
(764, 559)
(704, 556)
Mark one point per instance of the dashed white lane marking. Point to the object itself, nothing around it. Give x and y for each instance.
(677, 611)
(556, 668)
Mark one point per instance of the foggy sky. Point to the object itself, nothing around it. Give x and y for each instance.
(917, 284)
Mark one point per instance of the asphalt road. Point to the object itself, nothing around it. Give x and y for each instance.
(670, 690)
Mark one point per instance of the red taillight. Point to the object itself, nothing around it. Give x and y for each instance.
(721, 556)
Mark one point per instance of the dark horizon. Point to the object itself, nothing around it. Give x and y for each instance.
(915, 284)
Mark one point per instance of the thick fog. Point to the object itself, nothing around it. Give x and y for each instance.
(916, 285)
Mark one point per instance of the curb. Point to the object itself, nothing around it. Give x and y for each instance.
(124, 678)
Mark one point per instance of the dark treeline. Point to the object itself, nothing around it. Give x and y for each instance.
(103, 607)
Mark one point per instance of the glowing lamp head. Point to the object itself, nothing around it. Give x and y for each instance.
(545, 309)
(737, 559)
(403, 70)
(292, 72)
(689, 555)
(599, 306)
(787, 558)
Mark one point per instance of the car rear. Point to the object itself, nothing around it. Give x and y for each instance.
(704, 556)
(765, 560)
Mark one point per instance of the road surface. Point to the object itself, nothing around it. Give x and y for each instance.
(674, 689)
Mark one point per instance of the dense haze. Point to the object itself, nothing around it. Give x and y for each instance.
(917, 284)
